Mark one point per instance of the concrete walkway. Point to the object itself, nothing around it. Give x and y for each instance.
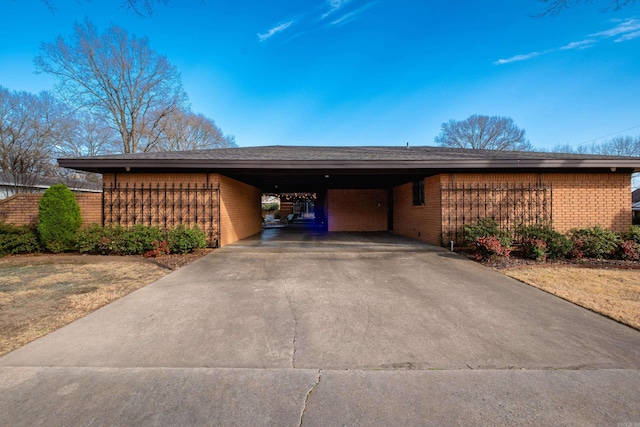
(300, 327)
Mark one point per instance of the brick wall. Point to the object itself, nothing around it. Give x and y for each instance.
(418, 222)
(240, 210)
(90, 207)
(22, 209)
(240, 204)
(357, 210)
(157, 178)
(578, 200)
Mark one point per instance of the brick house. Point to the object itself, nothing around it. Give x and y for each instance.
(426, 193)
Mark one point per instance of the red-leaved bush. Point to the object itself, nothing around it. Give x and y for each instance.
(159, 248)
(489, 247)
(629, 250)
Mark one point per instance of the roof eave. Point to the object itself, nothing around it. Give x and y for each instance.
(185, 164)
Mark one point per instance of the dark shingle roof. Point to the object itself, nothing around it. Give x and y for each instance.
(346, 158)
(307, 153)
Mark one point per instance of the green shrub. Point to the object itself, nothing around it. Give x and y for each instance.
(594, 242)
(138, 239)
(487, 228)
(117, 240)
(534, 249)
(59, 218)
(18, 240)
(633, 233)
(96, 239)
(557, 244)
(183, 240)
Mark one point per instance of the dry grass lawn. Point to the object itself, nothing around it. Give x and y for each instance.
(40, 296)
(612, 292)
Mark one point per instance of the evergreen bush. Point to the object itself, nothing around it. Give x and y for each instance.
(183, 240)
(59, 218)
(633, 233)
(557, 245)
(487, 227)
(18, 240)
(595, 242)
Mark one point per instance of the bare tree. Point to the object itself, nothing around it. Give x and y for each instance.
(89, 136)
(116, 76)
(483, 133)
(30, 126)
(184, 130)
(556, 6)
(139, 7)
(618, 146)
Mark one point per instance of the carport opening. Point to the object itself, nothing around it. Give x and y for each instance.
(282, 209)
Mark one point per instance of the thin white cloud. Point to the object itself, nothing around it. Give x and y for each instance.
(315, 19)
(349, 16)
(275, 30)
(334, 6)
(517, 58)
(623, 27)
(624, 30)
(628, 36)
(582, 44)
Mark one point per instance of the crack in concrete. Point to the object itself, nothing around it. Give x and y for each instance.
(295, 327)
(306, 397)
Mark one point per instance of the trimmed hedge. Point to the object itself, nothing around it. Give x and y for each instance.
(139, 240)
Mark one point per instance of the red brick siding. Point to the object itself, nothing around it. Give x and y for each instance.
(418, 222)
(357, 210)
(240, 210)
(156, 178)
(240, 207)
(579, 199)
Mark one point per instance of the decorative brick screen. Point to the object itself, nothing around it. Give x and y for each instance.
(509, 205)
(165, 206)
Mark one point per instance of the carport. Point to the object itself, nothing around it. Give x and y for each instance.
(426, 193)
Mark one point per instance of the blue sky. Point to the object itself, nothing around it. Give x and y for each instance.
(370, 72)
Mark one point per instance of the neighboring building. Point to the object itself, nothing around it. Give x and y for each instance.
(38, 185)
(427, 193)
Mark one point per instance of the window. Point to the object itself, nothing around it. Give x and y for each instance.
(418, 192)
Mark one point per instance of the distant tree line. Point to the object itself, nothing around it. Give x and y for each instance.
(553, 7)
(501, 133)
(114, 94)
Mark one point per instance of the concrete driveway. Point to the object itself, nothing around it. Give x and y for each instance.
(310, 328)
